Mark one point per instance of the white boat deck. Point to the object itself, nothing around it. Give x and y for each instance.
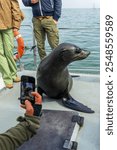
(2, 85)
(85, 89)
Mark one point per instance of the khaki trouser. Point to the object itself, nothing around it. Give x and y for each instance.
(43, 26)
(7, 64)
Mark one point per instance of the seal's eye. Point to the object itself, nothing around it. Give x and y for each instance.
(78, 50)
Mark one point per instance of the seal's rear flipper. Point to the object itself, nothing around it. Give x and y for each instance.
(75, 105)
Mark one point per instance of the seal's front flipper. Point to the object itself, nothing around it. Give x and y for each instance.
(75, 105)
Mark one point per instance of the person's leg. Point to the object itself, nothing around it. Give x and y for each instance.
(52, 32)
(39, 33)
(4, 67)
(8, 44)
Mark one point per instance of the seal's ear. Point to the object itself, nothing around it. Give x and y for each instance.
(65, 55)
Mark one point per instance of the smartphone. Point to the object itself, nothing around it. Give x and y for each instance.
(26, 87)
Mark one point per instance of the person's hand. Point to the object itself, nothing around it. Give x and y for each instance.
(29, 108)
(34, 1)
(55, 21)
(36, 108)
(38, 98)
(15, 29)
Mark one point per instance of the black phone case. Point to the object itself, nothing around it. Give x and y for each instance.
(26, 87)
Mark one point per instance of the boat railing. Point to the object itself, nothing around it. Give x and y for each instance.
(89, 65)
(31, 47)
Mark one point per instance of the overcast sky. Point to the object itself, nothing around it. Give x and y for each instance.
(77, 3)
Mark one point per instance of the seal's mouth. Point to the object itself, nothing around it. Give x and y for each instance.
(82, 55)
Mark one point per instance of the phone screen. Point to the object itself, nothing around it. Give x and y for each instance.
(27, 86)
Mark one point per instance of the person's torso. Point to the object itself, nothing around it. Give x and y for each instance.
(43, 8)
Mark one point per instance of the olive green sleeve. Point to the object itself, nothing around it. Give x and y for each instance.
(16, 136)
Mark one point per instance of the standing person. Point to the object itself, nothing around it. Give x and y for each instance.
(45, 17)
(10, 20)
(16, 136)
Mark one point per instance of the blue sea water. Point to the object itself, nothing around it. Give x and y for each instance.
(77, 26)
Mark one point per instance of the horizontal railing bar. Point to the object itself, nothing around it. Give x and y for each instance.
(65, 28)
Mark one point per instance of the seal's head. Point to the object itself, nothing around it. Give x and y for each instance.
(62, 56)
(71, 52)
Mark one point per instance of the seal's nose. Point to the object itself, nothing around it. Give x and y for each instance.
(83, 54)
(86, 52)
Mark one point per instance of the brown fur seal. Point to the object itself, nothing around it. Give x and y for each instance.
(53, 77)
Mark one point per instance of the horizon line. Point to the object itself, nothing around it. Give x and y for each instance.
(70, 7)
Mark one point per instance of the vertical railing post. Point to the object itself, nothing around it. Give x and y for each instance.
(32, 48)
